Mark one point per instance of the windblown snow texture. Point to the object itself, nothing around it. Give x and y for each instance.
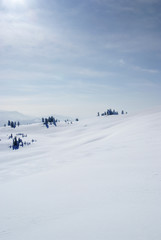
(96, 179)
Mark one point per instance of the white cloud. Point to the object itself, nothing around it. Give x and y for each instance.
(14, 4)
(94, 73)
(147, 70)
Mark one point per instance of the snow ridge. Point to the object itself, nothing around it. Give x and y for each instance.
(99, 178)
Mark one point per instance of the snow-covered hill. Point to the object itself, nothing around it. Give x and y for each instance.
(95, 179)
(25, 119)
(16, 116)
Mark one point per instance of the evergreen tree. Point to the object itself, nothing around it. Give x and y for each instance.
(12, 124)
(46, 122)
(54, 122)
(15, 143)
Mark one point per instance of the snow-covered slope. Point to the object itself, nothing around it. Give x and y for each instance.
(95, 179)
(16, 116)
(25, 119)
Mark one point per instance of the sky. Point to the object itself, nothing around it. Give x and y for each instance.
(76, 58)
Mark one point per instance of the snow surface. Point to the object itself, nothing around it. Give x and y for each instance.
(24, 119)
(16, 116)
(96, 179)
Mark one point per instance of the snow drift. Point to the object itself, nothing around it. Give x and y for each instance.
(95, 179)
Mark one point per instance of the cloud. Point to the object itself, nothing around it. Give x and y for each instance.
(14, 4)
(65, 51)
(94, 73)
(20, 34)
(144, 84)
(146, 70)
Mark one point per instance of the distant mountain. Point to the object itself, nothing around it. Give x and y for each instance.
(25, 119)
(16, 116)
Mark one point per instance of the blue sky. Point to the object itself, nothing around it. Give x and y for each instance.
(75, 58)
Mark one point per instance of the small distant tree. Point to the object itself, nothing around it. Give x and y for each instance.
(9, 123)
(98, 114)
(46, 123)
(122, 112)
(76, 119)
(18, 123)
(54, 122)
(15, 143)
(51, 119)
(12, 124)
(109, 112)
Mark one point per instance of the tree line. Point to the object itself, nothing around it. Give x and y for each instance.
(13, 124)
(50, 120)
(110, 112)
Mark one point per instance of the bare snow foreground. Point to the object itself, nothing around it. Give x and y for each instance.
(98, 179)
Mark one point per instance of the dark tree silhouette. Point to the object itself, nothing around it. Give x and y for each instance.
(15, 143)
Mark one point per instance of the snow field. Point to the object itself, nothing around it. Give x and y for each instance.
(96, 179)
